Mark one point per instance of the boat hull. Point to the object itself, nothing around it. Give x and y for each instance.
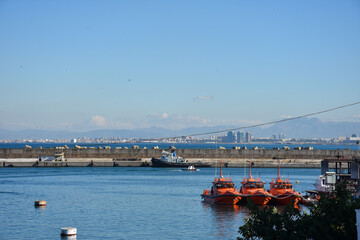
(285, 199)
(158, 163)
(231, 199)
(259, 199)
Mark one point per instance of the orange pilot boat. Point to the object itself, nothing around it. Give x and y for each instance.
(253, 188)
(223, 191)
(283, 192)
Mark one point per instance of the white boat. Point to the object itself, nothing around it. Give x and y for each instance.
(190, 168)
(326, 182)
(68, 231)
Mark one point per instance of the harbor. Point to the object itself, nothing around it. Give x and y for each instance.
(139, 157)
(130, 198)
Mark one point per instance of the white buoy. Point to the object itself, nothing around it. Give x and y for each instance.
(68, 231)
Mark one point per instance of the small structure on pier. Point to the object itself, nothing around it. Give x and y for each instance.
(343, 170)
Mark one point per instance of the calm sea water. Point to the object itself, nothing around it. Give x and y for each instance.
(180, 145)
(123, 203)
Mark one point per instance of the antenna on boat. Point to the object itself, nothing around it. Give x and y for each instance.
(250, 169)
(221, 175)
(279, 169)
(244, 168)
(215, 154)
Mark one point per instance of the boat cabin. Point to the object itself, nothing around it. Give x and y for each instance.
(282, 185)
(224, 184)
(253, 184)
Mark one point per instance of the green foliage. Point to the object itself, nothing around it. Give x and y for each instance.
(332, 217)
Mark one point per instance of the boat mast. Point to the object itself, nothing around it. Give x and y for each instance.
(216, 155)
(221, 175)
(250, 169)
(279, 169)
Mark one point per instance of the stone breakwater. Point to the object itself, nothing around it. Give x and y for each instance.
(107, 157)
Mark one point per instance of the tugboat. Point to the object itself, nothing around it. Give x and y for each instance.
(253, 188)
(169, 159)
(282, 191)
(223, 191)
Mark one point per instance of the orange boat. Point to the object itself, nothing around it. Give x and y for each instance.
(223, 191)
(253, 188)
(282, 191)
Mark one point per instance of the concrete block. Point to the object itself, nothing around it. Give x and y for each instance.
(51, 164)
(103, 164)
(20, 164)
(79, 164)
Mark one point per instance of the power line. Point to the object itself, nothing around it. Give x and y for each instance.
(268, 123)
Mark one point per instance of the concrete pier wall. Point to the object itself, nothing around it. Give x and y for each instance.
(263, 158)
(186, 153)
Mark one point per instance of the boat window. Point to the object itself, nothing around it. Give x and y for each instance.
(224, 185)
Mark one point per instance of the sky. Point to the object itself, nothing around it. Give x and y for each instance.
(84, 65)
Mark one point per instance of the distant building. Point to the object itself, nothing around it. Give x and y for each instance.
(240, 137)
(247, 137)
(230, 138)
(74, 140)
(282, 136)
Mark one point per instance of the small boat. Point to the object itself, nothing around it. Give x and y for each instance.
(169, 159)
(40, 203)
(191, 168)
(282, 191)
(311, 197)
(223, 191)
(68, 231)
(253, 188)
(326, 183)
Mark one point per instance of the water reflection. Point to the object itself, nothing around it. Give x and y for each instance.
(68, 237)
(226, 219)
(40, 207)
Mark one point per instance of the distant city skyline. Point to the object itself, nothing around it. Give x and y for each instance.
(87, 65)
(305, 128)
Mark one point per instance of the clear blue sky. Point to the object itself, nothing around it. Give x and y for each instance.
(80, 65)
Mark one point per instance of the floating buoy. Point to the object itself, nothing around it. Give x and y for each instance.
(39, 203)
(297, 181)
(68, 231)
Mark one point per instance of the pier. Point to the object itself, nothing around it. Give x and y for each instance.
(108, 157)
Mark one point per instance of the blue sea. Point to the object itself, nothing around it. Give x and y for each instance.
(124, 203)
(180, 145)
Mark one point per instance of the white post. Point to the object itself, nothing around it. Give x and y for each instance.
(358, 222)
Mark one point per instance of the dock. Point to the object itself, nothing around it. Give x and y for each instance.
(136, 157)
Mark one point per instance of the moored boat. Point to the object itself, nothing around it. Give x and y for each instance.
(253, 188)
(170, 159)
(326, 183)
(222, 191)
(283, 192)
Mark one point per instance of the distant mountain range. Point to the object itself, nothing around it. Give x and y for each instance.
(300, 128)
